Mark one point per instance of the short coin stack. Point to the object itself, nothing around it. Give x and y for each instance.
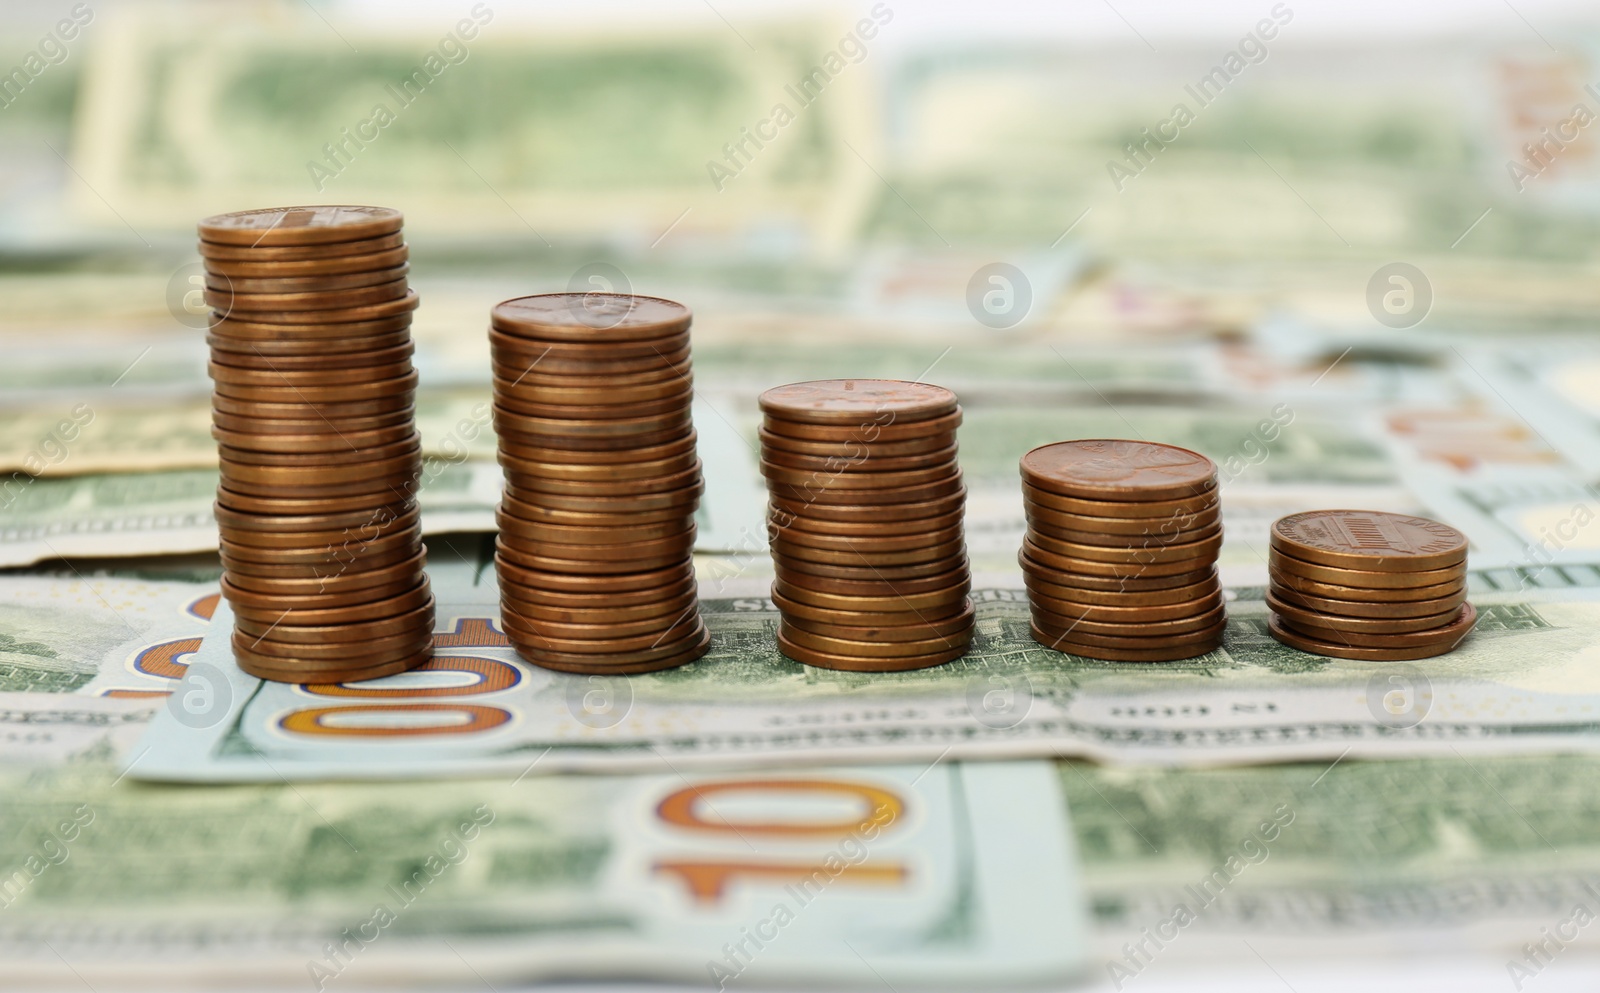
(865, 504)
(1363, 584)
(1120, 556)
(592, 397)
(312, 411)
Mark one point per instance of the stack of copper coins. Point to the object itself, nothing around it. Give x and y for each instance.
(1363, 584)
(311, 359)
(1121, 552)
(591, 404)
(866, 503)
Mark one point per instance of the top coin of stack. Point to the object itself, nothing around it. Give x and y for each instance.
(1120, 556)
(592, 397)
(312, 411)
(866, 505)
(1364, 584)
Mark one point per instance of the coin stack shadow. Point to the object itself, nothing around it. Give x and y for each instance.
(313, 415)
(1369, 585)
(592, 395)
(865, 522)
(1121, 550)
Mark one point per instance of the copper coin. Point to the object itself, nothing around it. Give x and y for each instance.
(851, 401)
(306, 410)
(874, 586)
(857, 449)
(535, 398)
(1336, 650)
(874, 649)
(1083, 630)
(674, 406)
(307, 506)
(847, 663)
(794, 610)
(365, 390)
(249, 573)
(212, 251)
(678, 542)
(521, 531)
(1113, 469)
(401, 575)
(891, 604)
(615, 665)
(239, 286)
(804, 513)
(810, 496)
(684, 500)
(344, 550)
(418, 595)
(647, 473)
(1122, 528)
(612, 633)
(515, 368)
(248, 305)
(1150, 554)
(405, 445)
(314, 358)
(902, 627)
(1456, 627)
(312, 424)
(1369, 540)
(1285, 581)
(799, 569)
(534, 482)
(241, 540)
(353, 470)
(1174, 652)
(573, 518)
(276, 375)
(511, 583)
(1086, 639)
(347, 314)
(870, 558)
(330, 443)
(236, 269)
(297, 226)
(685, 626)
(624, 583)
(663, 555)
(1069, 610)
(295, 630)
(319, 601)
(1155, 511)
(1129, 570)
(655, 375)
(1149, 598)
(357, 656)
(506, 431)
(857, 462)
(332, 675)
(1120, 584)
(375, 520)
(536, 610)
(1045, 536)
(831, 481)
(883, 427)
(384, 489)
(576, 462)
(517, 352)
(307, 335)
(591, 317)
(606, 427)
(265, 354)
(1380, 609)
(871, 543)
(1364, 579)
(779, 522)
(1330, 626)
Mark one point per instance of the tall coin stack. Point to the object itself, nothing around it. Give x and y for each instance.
(865, 521)
(312, 411)
(1120, 556)
(1363, 584)
(592, 394)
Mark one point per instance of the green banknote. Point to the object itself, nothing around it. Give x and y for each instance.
(1520, 682)
(903, 874)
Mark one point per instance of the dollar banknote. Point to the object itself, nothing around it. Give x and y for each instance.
(1512, 686)
(910, 875)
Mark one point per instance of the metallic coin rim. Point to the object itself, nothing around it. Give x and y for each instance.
(1281, 562)
(824, 660)
(1331, 650)
(777, 404)
(1178, 653)
(1377, 560)
(898, 431)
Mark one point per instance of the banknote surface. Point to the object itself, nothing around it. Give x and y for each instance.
(842, 876)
